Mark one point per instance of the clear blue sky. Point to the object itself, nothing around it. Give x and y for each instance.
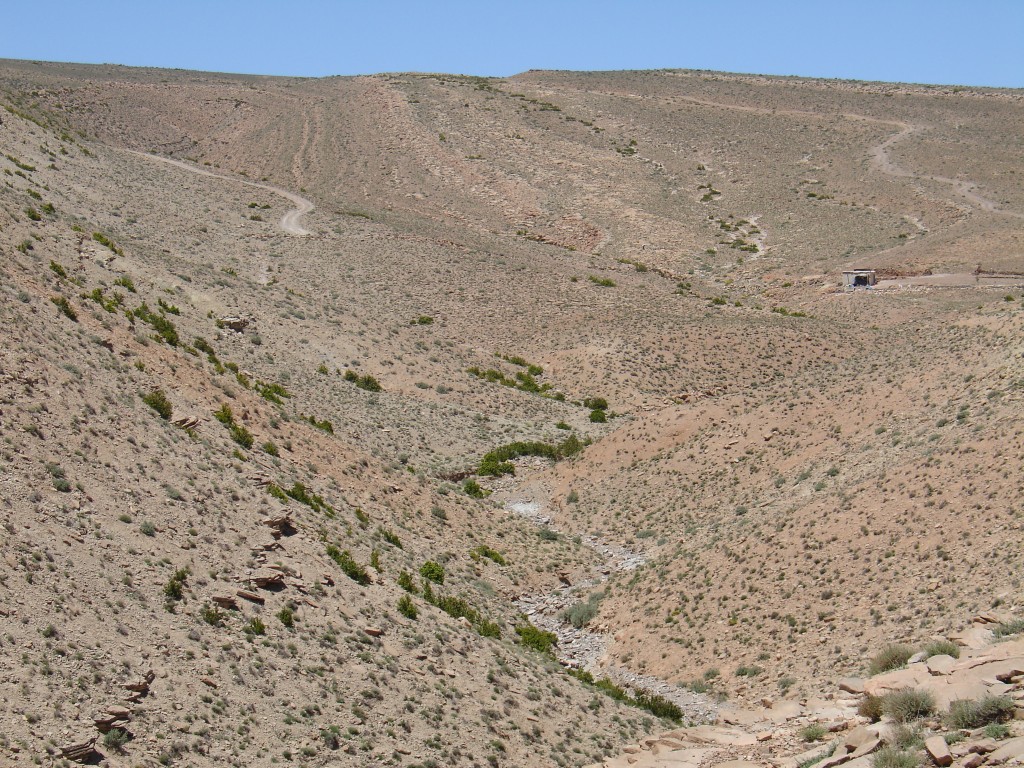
(924, 41)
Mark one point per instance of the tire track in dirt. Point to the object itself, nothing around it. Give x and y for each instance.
(964, 187)
(289, 222)
(879, 153)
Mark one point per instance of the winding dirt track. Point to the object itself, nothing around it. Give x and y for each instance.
(289, 222)
(966, 189)
(879, 153)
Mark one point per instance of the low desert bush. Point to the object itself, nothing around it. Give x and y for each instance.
(349, 567)
(908, 704)
(967, 713)
(893, 757)
(407, 607)
(871, 708)
(537, 639)
(889, 658)
(432, 572)
(1012, 627)
(813, 732)
(65, 307)
(157, 400)
(942, 648)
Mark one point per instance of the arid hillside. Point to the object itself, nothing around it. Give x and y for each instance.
(336, 413)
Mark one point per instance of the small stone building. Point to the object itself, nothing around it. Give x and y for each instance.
(858, 278)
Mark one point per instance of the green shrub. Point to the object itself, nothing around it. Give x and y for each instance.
(498, 461)
(405, 582)
(272, 392)
(407, 607)
(537, 639)
(908, 704)
(147, 528)
(814, 760)
(749, 671)
(270, 449)
(255, 626)
(157, 400)
(241, 435)
(303, 495)
(658, 706)
(813, 732)
(907, 736)
(1012, 627)
(212, 615)
(889, 658)
(103, 240)
(604, 282)
(487, 628)
(390, 537)
(174, 589)
(65, 307)
(125, 282)
(965, 713)
(349, 567)
(323, 424)
(942, 647)
(893, 757)
(432, 571)
(871, 708)
(58, 270)
(168, 308)
(598, 417)
(996, 731)
(609, 688)
(366, 381)
(224, 415)
(580, 614)
(485, 551)
(472, 488)
(286, 617)
(164, 328)
(115, 739)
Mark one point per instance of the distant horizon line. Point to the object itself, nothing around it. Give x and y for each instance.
(515, 74)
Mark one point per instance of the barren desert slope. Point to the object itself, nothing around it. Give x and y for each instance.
(429, 420)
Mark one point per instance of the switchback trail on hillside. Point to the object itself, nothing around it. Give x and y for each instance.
(964, 187)
(289, 222)
(879, 153)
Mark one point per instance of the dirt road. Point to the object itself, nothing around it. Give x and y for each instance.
(289, 222)
(965, 188)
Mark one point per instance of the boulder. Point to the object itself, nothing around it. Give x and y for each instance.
(857, 737)
(715, 734)
(785, 710)
(975, 637)
(949, 689)
(938, 750)
(79, 751)
(1010, 751)
(854, 685)
(911, 677)
(730, 716)
(942, 664)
